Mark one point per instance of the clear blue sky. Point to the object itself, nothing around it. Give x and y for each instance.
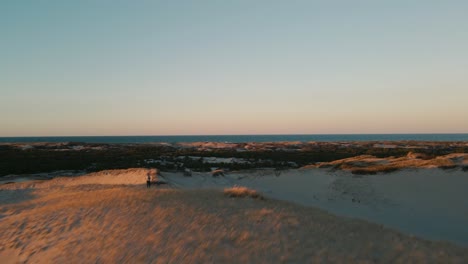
(233, 67)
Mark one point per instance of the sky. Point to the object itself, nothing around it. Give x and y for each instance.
(84, 68)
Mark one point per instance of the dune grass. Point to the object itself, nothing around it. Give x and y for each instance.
(366, 164)
(240, 191)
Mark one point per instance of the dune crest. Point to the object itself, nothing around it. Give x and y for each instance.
(89, 223)
(367, 164)
(132, 176)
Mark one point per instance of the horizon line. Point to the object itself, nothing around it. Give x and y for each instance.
(273, 134)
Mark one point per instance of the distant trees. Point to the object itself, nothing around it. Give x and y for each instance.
(95, 157)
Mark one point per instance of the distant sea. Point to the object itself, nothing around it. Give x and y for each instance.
(241, 138)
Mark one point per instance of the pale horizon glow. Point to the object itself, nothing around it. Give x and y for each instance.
(114, 68)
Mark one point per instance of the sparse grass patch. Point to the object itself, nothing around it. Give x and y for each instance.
(240, 191)
(374, 170)
(364, 165)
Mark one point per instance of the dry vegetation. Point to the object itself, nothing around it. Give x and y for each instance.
(240, 191)
(367, 164)
(29, 158)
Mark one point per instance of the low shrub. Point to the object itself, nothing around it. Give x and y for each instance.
(240, 191)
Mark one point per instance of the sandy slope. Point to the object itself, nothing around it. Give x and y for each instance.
(367, 164)
(424, 202)
(131, 176)
(110, 217)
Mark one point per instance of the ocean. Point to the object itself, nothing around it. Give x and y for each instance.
(241, 138)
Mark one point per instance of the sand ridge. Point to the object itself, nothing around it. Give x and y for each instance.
(122, 224)
(111, 217)
(131, 176)
(368, 164)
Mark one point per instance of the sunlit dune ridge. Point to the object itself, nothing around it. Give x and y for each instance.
(367, 164)
(80, 220)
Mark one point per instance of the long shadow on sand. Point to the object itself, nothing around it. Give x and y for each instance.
(15, 196)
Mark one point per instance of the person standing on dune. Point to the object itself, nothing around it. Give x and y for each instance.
(148, 180)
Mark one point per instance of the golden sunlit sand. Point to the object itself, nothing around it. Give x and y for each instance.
(111, 217)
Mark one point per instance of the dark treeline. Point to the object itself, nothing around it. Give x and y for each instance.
(14, 160)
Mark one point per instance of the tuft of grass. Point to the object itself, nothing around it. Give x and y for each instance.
(240, 191)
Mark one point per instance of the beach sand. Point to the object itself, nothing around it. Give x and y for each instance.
(111, 217)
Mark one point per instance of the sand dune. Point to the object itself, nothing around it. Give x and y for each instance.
(133, 176)
(424, 202)
(367, 164)
(110, 217)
